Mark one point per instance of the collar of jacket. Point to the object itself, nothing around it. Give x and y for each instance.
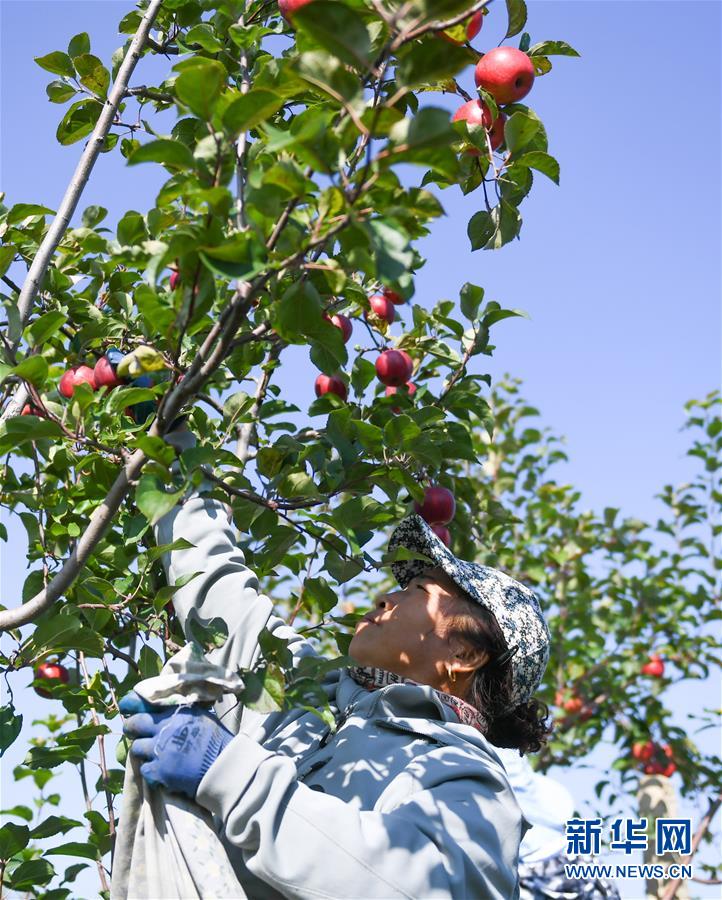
(415, 708)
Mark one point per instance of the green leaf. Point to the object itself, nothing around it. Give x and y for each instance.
(210, 634)
(337, 29)
(240, 257)
(492, 230)
(471, 297)
(431, 61)
(92, 73)
(79, 44)
(53, 825)
(519, 130)
(173, 154)
(297, 312)
(152, 500)
(22, 812)
(249, 110)
(22, 211)
(74, 848)
(542, 162)
(390, 242)
(45, 327)
(426, 139)
(30, 873)
(13, 839)
(7, 255)
(33, 369)
(49, 757)
(552, 48)
(516, 11)
(200, 86)
(78, 121)
(318, 596)
(494, 313)
(203, 34)
(59, 91)
(131, 230)
(58, 63)
(10, 725)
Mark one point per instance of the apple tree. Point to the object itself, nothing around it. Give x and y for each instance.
(633, 607)
(302, 156)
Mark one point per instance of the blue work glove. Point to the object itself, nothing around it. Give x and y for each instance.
(177, 744)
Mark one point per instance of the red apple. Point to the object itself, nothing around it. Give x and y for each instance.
(473, 27)
(31, 410)
(669, 770)
(382, 307)
(643, 750)
(438, 507)
(443, 533)
(330, 384)
(654, 667)
(506, 73)
(393, 296)
(477, 113)
(105, 369)
(394, 367)
(344, 323)
(52, 673)
(75, 376)
(574, 705)
(558, 698)
(175, 280)
(289, 7)
(586, 712)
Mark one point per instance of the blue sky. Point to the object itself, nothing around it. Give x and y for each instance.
(618, 267)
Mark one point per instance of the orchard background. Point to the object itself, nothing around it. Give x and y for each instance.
(617, 269)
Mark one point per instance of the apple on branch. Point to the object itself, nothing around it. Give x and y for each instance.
(438, 507)
(105, 370)
(655, 666)
(52, 674)
(289, 7)
(394, 367)
(73, 377)
(382, 309)
(476, 112)
(342, 322)
(443, 533)
(464, 31)
(394, 296)
(331, 384)
(506, 73)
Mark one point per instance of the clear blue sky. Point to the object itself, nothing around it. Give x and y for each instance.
(618, 267)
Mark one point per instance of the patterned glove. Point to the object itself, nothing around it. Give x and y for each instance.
(177, 744)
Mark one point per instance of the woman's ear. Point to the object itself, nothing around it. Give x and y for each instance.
(468, 659)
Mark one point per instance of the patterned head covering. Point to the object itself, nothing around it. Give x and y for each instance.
(515, 607)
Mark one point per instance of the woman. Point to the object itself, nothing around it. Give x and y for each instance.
(406, 796)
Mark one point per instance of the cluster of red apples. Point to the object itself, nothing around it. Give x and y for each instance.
(655, 759)
(102, 374)
(504, 72)
(393, 367)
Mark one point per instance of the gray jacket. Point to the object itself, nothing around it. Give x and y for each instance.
(402, 800)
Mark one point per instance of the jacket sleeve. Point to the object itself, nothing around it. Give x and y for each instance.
(224, 588)
(455, 839)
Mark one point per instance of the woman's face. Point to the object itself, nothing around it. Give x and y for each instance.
(405, 633)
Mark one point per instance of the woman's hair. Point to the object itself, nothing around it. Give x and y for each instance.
(524, 727)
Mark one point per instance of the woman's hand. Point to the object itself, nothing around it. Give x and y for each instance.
(177, 744)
